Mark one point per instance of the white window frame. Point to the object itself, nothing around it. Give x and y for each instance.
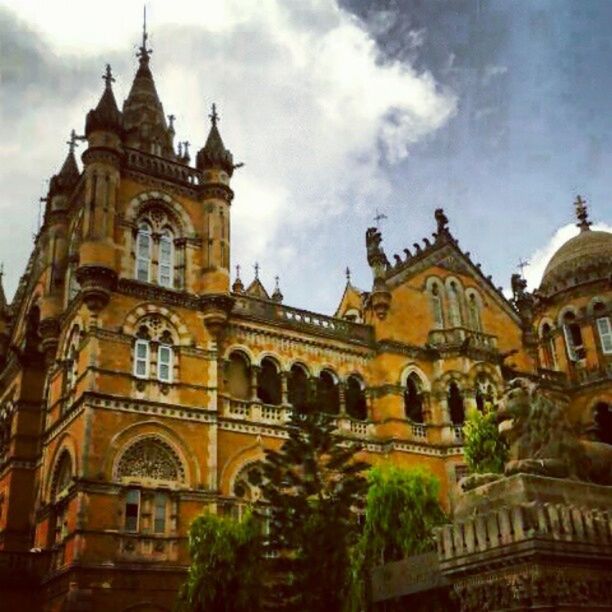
(169, 363)
(143, 230)
(157, 498)
(137, 359)
(604, 329)
(168, 266)
(572, 353)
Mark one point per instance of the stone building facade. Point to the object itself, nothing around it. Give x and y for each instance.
(139, 384)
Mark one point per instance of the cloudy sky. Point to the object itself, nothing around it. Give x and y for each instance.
(497, 111)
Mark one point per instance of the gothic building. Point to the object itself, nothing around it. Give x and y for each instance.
(139, 385)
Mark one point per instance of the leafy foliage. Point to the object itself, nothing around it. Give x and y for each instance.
(225, 573)
(484, 449)
(313, 485)
(402, 510)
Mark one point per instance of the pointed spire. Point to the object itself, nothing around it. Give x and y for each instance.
(277, 296)
(214, 154)
(69, 173)
(106, 116)
(582, 214)
(144, 53)
(238, 287)
(348, 275)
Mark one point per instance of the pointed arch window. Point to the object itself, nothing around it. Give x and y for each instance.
(604, 328)
(436, 304)
(455, 404)
(413, 399)
(165, 360)
(548, 347)
(166, 259)
(143, 253)
(474, 312)
(454, 309)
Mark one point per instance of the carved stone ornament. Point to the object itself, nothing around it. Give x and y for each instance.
(151, 458)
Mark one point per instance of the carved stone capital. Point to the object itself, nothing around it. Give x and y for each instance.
(216, 309)
(97, 283)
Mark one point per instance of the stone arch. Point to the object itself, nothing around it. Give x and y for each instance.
(455, 301)
(568, 308)
(122, 441)
(138, 204)
(355, 397)
(545, 321)
(66, 443)
(273, 357)
(300, 364)
(132, 320)
(240, 348)
(62, 472)
(412, 368)
(598, 299)
(236, 463)
(269, 382)
(490, 371)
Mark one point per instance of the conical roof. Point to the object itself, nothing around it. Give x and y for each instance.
(67, 177)
(106, 116)
(144, 121)
(214, 154)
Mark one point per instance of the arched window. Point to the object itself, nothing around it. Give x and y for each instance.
(455, 404)
(474, 313)
(485, 393)
(436, 304)
(269, 386)
(328, 396)
(238, 376)
(454, 308)
(603, 421)
(246, 489)
(413, 399)
(154, 350)
(356, 406)
(573, 337)
(6, 428)
(62, 476)
(150, 458)
(604, 328)
(166, 259)
(297, 388)
(143, 253)
(548, 347)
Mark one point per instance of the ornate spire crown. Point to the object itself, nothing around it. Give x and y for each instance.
(582, 214)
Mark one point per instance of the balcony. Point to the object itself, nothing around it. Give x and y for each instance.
(163, 168)
(462, 336)
(302, 320)
(586, 376)
(252, 411)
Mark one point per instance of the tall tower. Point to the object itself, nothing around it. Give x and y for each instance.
(217, 166)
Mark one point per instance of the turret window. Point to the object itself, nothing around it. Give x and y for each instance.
(143, 253)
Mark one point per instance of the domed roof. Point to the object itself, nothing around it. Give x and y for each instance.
(586, 256)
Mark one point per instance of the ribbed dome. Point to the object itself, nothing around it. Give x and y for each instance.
(586, 256)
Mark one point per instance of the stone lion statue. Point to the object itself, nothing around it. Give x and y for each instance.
(542, 441)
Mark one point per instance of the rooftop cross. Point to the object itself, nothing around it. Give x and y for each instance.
(108, 77)
(214, 116)
(186, 144)
(276, 281)
(238, 271)
(379, 217)
(582, 213)
(171, 119)
(72, 143)
(256, 266)
(521, 266)
(348, 274)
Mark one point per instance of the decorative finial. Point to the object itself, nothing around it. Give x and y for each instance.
(72, 143)
(441, 221)
(276, 281)
(108, 77)
(1, 270)
(143, 52)
(256, 266)
(237, 271)
(180, 149)
(186, 144)
(348, 274)
(214, 116)
(171, 119)
(379, 217)
(582, 213)
(521, 266)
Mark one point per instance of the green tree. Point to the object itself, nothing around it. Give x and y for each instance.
(483, 448)
(313, 486)
(225, 573)
(402, 510)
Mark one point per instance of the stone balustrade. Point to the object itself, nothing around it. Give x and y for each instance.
(506, 526)
(164, 168)
(457, 336)
(302, 320)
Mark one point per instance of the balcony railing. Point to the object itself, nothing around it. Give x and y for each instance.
(585, 376)
(164, 168)
(457, 336)
(303, 320)
(419, 432)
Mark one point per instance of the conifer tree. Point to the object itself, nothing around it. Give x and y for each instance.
(314, 487)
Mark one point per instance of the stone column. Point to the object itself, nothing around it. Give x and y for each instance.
(284, 388)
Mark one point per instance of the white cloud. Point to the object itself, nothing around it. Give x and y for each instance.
(539, 259)
(304, 101)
